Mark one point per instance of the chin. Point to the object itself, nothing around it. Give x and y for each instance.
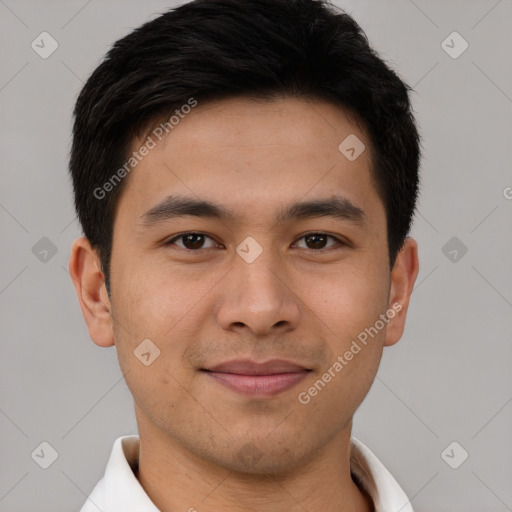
(259, 457)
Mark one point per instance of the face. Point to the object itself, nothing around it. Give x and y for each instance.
(256, 300)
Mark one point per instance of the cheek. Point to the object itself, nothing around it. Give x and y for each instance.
(153, 298)
(350, 305)
(157, 305)
(352, 298)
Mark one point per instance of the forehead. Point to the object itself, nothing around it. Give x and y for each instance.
(252, 155)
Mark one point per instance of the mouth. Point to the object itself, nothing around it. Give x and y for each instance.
(256, 379)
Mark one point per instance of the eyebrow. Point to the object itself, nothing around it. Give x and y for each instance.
(174, 206)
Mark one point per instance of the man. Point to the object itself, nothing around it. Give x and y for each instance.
(246, 174)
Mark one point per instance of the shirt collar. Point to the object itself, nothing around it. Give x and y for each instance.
(370, 474)
(119, 490)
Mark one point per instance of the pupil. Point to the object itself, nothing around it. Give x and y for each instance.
(318, 241)
(193, 241)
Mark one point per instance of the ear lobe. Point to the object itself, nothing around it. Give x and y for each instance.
(403, 276)
(89, 281)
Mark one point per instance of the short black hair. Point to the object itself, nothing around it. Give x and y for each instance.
(217, 49)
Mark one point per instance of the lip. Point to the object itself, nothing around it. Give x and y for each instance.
(257, 379)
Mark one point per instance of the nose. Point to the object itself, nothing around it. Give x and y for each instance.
(259, 297)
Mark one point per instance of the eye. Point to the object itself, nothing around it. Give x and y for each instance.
(194, 241)
(318, 241)
(191, 241)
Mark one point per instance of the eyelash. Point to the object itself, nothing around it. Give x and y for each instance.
(339, 242)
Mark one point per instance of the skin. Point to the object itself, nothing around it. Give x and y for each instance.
(297, 301)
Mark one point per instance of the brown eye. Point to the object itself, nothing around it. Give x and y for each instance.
(190, 241)
(318, 241)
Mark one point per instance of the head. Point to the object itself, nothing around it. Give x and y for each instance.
(271, 130)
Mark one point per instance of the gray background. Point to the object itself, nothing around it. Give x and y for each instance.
(447, 380)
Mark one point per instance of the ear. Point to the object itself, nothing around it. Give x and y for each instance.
(403, 277)
(89, 282)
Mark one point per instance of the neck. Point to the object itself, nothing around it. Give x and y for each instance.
(176, 479)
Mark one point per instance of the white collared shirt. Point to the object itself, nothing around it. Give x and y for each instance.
(120, 491)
